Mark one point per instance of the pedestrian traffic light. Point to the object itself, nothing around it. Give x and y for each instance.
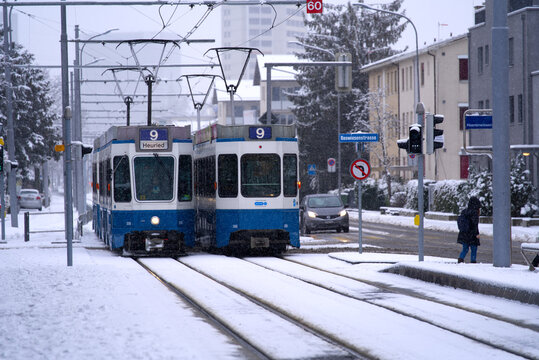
(404, 144)
(435, 137)
(415, 139)
(86, 149)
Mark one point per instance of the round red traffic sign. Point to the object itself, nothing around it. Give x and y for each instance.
(360, 169)
(331, 162)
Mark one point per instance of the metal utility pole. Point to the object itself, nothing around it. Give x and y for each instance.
(12, 178)
(501, 160)
(80, 203)
(68, 199)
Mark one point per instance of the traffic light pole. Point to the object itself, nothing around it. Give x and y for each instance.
(420, 112)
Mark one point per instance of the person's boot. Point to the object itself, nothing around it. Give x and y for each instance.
(460, 260)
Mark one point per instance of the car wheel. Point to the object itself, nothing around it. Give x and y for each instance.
(304, 229)
(339, 230)
(346, 229)
(40, 209)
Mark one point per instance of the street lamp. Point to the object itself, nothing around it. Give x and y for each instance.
(338, 111)
(80, 194)
(420, 111)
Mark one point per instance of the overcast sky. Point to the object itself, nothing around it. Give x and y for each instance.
(38, 28)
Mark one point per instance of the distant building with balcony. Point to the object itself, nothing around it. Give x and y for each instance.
(443, 88)
(283, 82)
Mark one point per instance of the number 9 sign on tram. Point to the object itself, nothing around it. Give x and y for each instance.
(314, 6)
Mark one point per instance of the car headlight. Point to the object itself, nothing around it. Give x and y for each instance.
(155, 220)
(342, 213)
(311, 214)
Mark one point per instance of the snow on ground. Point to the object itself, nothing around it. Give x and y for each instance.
(105, 306)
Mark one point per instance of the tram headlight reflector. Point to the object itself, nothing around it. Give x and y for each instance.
(311, 214)
(155, 220)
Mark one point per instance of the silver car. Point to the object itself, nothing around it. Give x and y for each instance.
(30, 199)
(323, 212)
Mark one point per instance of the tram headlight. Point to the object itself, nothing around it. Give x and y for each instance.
(155, 220)
(342, 213)
(311, 214)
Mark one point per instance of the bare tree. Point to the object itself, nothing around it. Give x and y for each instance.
(372, 114)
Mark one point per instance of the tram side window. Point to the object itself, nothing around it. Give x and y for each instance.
(227, 173)
(94, 178)
(185, 192)
(122, 179)
(260, 175)
(108, 180)
(205, 176)
(102, 182)
(290, 175)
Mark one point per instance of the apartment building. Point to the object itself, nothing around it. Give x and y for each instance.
(443, 89)
(523, 26)
(264, 27)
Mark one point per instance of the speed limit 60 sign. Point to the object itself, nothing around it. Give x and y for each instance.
(314, 6)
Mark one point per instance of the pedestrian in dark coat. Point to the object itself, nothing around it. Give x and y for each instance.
(470, 238)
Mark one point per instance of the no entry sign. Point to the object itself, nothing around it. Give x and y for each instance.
(360, 169)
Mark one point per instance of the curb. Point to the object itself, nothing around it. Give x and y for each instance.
(444, 279)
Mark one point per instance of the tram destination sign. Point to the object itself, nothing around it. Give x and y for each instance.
(359, 137)
(153, 139)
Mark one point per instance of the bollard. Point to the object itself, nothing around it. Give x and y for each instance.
(27, 226)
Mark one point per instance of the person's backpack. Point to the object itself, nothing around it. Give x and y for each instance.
(463, 222)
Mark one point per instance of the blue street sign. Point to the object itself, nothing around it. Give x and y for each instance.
(478, 121)
(311, 169)
(358, 138)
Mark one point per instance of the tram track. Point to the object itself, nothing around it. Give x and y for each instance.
(383, 296)
(329, 349)
(487, 340)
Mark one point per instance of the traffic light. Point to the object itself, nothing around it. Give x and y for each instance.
(415, 139)
(435, 137)
(86, 149)
(404, 144)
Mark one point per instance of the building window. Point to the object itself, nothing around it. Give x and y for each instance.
(402, 79)
(463, 68)
(487, 55)
(422, 74)
(480, 60)
(511, 109)
(511, 51)
(464, 164)
(480, 104)
(462, 109)
(520, 109)
(487, 104)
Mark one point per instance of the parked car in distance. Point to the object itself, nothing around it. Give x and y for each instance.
(323, 212)
(30, 199)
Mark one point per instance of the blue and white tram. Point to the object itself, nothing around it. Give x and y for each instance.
(142, 189)
(246, 187)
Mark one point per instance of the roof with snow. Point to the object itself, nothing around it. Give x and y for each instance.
(410, 54)
(246, 91)
(279, 73)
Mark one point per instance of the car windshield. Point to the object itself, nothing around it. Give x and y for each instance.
(324, 201)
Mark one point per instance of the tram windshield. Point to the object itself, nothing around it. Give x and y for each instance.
(154, 177)
(260, 175)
